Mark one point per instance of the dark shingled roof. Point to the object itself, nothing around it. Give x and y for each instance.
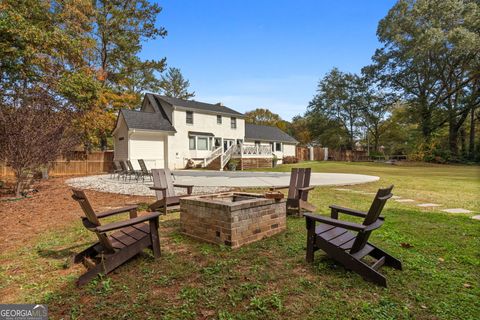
(266, 133)
(201, 106)
(146, 120)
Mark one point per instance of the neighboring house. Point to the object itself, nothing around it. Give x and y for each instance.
(167, 132)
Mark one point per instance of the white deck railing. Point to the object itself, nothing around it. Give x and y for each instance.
(228, 154)
(215, 154)
(253, 151)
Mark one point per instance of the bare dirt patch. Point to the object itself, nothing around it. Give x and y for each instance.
(50, 208)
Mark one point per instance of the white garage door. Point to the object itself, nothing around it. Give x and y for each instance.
(149, 148)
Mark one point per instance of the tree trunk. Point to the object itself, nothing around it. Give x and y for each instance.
(463, 141)
(453, 137)
(426, 119)
(471, 145)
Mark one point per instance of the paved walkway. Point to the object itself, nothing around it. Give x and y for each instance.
(215, 181)
(415, 202)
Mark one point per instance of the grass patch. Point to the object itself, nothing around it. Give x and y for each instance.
(269, 279)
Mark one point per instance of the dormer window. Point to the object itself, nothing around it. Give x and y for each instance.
(190, 117)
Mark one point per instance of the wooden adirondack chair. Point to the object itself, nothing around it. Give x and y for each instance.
(143, 170)
(297, 198)
(348, 248)
(165, 190)
(113, 249)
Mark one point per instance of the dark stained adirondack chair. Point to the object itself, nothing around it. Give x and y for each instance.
(118, 241)
(349, 248)
(165, 190)
(297, 198)
(144, 172)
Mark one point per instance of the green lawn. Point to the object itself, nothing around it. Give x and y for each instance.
(269, 279)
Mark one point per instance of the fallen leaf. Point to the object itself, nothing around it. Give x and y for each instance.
(467, 285)
(441, 259)
(423, 306)
(406, 245)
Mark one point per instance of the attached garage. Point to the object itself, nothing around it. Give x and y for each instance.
(149, 146)
(142, 135)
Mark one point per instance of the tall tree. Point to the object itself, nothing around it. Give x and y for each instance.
(375, 104)
(265, 117)
(338, 99)
(174, 85)
(45, 81)
(430, 54)
(119, 30)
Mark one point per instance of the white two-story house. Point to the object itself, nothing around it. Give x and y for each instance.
(168, 132)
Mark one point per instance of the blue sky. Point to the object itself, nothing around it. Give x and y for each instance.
(264, 53)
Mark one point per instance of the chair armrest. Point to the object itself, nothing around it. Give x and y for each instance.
(122, 224)
(183, 185)
(377, 224)
(157, 188)
(334, 222)
(186, 186)
(306, 189)
(116, 211)
(279, 188)
(352, 212)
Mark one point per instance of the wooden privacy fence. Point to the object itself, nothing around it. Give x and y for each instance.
(304, 154)
(79, 164)
(347, 155)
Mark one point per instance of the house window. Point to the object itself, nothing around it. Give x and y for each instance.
(202, 143)
(190, 117)
(278, 146)
(191, 143)
(233, 123)
(272, 146)
(219, 119)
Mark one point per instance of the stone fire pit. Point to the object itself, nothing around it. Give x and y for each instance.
(232, 218)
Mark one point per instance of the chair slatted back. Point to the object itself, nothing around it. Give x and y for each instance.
(123, 165)
(372, 216)
(299, 178)
(92, 220)
(143, 167)
(130, 166)
(117, 165)
(162, 178)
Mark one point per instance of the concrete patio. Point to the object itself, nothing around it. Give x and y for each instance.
(215, 181)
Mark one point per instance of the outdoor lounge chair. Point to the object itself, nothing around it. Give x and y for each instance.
(131, 171)
(124, 172)
(117, 169)
(297, 198)
(143, 170)
(165, 190)
(349, 248)
(112, 250)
